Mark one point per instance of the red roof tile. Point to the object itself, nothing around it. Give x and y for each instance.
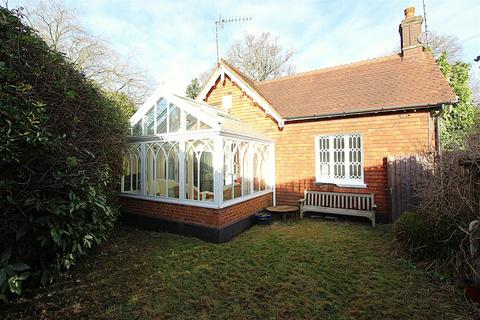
(378, 84)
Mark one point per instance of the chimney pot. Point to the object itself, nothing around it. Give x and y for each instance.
(409, 12)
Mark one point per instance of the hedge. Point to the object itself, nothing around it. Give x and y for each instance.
(60, 157)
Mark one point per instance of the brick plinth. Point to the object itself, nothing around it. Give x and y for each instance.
(210, 219)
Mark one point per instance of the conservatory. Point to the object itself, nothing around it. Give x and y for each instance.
(184, 154)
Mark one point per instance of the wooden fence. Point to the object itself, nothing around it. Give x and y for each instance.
(404, 174)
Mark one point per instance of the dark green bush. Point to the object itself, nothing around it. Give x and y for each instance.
(60, 156)
(419, 237)
(434, 242)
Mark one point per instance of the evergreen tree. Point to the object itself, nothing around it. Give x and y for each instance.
(457, 120)
(193, 89)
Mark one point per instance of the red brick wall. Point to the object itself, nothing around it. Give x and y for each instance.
(383, 135)
(218, 218)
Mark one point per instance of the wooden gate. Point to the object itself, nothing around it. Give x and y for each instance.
(404, 174)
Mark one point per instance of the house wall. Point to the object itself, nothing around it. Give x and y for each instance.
(383, 135)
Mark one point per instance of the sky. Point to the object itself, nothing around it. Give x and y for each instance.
(174, 41)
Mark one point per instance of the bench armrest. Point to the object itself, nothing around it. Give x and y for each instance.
(374, 206)
(301, 201)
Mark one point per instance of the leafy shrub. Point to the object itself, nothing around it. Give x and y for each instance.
(421, 238)
(60, 156)
(414, 231)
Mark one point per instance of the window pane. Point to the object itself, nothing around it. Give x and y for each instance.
(192, 122)
(132, 183)
(191, 184)
(265, 169)
(137, 129)
(174, 118)
(206, 176)
(199, 171)
(237, 170)
(355, 145)
(339, 157)
(162, 116)
(150, 170)
(246, 171)
(161, 174)
(324, 156)
(260, 168)
(171, 169)
(228, 170)
(150, 122)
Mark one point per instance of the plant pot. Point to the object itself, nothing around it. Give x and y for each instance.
(263, 218)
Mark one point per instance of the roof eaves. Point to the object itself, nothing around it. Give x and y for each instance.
(204, 90)
(369, 111)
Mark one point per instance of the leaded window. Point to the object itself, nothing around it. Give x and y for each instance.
(339, 159)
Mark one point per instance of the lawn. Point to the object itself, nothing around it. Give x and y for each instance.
(297, 270)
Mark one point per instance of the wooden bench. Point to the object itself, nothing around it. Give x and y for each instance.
(352, 204)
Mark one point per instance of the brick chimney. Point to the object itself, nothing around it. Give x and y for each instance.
(410, 30)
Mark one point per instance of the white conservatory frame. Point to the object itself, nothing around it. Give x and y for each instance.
(247, 156)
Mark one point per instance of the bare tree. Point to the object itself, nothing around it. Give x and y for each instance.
(203, 77)
(61, 30)
(446, 42)
(260, 57)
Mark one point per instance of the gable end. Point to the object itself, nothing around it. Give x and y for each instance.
(218, 76)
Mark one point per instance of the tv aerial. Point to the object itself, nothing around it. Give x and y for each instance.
(222, 21)
(425, 37)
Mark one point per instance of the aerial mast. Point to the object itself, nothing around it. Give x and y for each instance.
(221, 22)
(427, 35)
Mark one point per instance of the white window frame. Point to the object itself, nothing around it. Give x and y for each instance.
(346, 182)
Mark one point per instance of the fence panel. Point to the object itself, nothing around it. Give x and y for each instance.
(405, 172)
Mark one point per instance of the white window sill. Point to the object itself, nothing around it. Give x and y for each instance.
(343, 184)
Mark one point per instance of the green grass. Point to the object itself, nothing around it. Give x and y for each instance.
(298, 270)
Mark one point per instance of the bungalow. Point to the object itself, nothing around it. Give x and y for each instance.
(205, 167)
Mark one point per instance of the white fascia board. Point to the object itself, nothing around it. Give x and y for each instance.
(177, 136)
(257, 98)
(210, 83)
(198, 135)
(162, 92)
(235, 135)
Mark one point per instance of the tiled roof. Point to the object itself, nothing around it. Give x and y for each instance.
(377, 84)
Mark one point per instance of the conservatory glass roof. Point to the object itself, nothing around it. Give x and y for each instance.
(168, 114)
